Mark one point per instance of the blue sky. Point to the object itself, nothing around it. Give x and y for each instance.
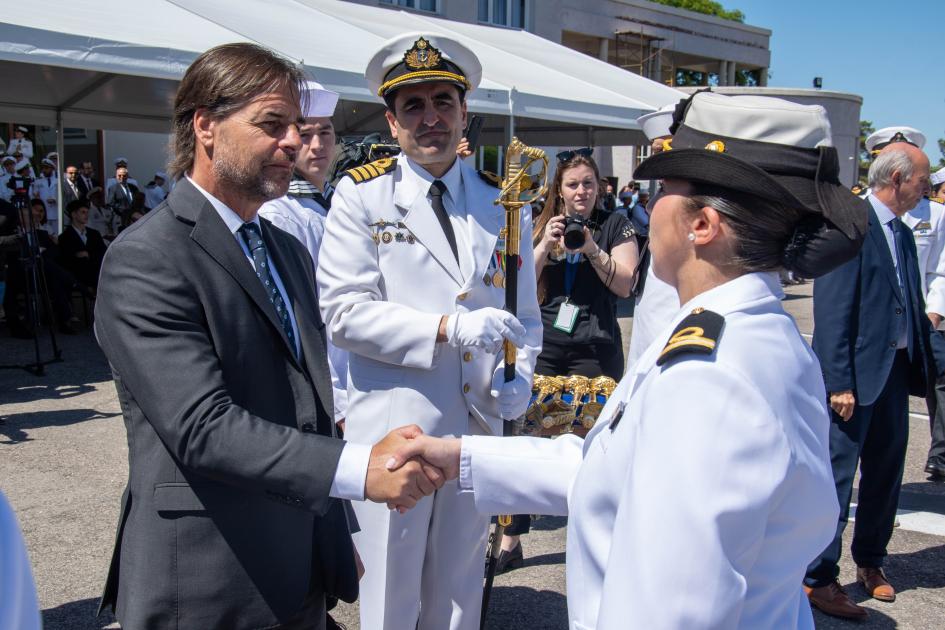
(888, 52)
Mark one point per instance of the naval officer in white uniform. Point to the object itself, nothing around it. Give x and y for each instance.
(410, 284)
(301, 212)
(717, 537)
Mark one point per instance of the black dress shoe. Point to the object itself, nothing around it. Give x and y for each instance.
(936, 470)
(509, 560)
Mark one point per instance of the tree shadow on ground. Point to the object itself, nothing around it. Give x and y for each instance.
(14, 427)
(525, 607)
(78, 615)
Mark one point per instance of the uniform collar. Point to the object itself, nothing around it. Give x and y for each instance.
(453, 178)
(732, 295)
(233, 221)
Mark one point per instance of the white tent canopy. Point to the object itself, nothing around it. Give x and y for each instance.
(115, 65)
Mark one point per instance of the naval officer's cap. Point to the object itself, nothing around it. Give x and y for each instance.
(422, 58)
(7, 158)
(880, 139)
(656, 124)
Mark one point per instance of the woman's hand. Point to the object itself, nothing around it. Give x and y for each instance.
(589, 247)
(554, 232)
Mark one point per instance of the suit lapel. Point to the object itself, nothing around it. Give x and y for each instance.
(305, 308)
(212, 235)
(882, 246)
(421, 221)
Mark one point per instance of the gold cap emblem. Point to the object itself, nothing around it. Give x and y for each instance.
(422, 56)
(716, 145)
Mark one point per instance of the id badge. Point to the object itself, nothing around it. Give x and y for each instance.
(567, 317)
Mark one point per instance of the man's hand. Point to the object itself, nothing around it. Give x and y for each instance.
(407, 483)
(936, 319)
(513, 396)
(484, 328)
(843, 403)
(440, 452)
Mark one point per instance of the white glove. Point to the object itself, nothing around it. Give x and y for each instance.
(513, 396)
(484, 328)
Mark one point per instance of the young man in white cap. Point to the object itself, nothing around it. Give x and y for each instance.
(935, 305)
(154, 192)
(301, 212)
(408, 285)
(656, 301)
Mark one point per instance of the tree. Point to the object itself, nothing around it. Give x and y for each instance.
(866, 128)
(941, 149)
(706, 7)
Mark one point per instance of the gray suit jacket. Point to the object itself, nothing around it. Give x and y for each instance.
(226, 521)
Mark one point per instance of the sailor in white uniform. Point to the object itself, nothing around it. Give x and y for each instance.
(658, 302)
(411, 283)
(705, 487)
(302, 211)
(6, 172)
(46, 187)
(21, 144)
(154, 192)
(927, 221)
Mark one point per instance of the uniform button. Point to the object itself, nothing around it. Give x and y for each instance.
(467, 357)
(462, 296)
(892, 344)
(898, 311)
(466, 388)
(308, 427)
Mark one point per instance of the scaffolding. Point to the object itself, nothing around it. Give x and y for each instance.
(645, 55)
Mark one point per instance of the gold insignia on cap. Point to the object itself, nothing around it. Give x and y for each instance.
(422, 56)
(716, 145)
(668, 144)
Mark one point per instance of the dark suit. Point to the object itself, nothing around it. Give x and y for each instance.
(68, 195)
(83, 187)
(226, 521)
(857, 313)
(84, 269)
(121, 202)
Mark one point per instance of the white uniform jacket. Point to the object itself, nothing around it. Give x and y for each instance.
(927, 222)
(387, 275)
(703, 491)
(24, 146)
(658, 304)
(47, 189)
(19, 607)
(304, 219)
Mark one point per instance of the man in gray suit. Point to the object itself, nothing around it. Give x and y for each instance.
(234, 515)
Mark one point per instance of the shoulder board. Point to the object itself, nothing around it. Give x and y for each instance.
(491, 178)
(369, 171)
(698, 333)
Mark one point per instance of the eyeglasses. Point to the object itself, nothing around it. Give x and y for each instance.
(567, 156)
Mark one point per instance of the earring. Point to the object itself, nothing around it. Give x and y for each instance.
(691, 236)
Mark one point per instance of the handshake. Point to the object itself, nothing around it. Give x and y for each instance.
(407, 465)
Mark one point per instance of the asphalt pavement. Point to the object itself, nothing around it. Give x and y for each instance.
(63, 465)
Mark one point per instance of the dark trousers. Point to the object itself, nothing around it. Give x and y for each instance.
(936, 404)
(876, 437)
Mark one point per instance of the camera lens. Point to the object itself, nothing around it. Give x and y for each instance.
(574, 234)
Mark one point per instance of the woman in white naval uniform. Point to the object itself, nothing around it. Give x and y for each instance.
(705, 487)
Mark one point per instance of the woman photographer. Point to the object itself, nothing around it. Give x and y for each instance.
(582, 273)
(585, 257)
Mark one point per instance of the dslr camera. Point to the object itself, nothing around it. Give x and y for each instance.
(574, 232)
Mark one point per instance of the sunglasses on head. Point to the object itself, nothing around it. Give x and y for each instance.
(567, 156)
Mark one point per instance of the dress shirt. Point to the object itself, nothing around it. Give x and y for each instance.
(886, 217)
(83, 235)
(351, 474)
(454, 200)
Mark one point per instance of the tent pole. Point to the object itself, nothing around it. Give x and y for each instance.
(512, 94)
(61, 151)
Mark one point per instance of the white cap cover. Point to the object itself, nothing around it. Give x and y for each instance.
(321, 102)
(889, 134)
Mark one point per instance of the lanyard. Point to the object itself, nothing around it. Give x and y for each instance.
(570, 272)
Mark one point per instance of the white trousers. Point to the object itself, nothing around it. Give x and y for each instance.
(425, 565)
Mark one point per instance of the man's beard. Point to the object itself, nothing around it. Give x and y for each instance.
(252, 184)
